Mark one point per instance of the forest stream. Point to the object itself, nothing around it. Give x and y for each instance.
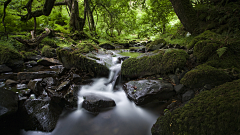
(126, 118)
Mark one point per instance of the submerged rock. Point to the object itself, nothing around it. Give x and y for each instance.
(94, 103)
(41, 115)
(145, 91)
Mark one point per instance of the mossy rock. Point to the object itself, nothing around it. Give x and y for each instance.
(230, 57)
(162, 62)
(157, 44)
(214, 112)
(50, 42)
(173, 59)
(204, 74)
(107, 45)
(9, 56)
(73, 58)
(27, 55)
(206, 35)
(86, 47)
(146, 65)
(47, 51)
(204, 49)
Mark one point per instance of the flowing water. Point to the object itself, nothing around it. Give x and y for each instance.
(124, 119)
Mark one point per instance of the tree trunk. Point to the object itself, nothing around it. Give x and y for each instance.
(76, 23)
(187, 15)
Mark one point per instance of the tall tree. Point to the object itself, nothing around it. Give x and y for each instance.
(187, 15)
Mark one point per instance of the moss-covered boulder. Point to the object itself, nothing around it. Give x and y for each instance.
(161, 62)
(206, 35)
(47, 51)
(204, 74)
(27, 55)
(86, 48)
(10, 57)
(155, 45)
(173, 59)
(214, 112)
(73, 58)
(107, 45)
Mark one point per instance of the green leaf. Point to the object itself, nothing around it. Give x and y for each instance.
(221, 51)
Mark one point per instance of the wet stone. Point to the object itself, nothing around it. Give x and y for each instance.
(94, 103)
(40, 115)
(36, 87)
(49, 62)
(4, 68)
(188, 95)
(146, 91)
(63, 86)
(11, 82)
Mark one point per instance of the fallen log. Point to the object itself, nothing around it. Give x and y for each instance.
(34, 41)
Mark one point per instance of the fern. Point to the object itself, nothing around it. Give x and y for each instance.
(221, 51)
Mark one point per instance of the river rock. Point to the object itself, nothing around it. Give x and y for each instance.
(49, 62)
(4, 68)
(179, 88)
(11, 82)
(174, 79)
(63, 86)
(81, 62)
(94, 103)
(49, 81)
(188, 95)
(145, 91)
(35, 57)
(41, 115)
(76, 79)
(34, 75)
(35, 86)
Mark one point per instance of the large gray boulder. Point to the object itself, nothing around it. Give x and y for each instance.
(145, 91)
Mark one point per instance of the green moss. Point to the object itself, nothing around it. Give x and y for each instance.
(214, 112)
(204, 74)
(173, 59)
(73, 58)
(157, 44)
(162, 62)
(47, 51)
(130, 54)
(26, 55)
(206, 35)
(146, 65)
(7, 55)
(86, 47)
(50, 42)
(203, 49)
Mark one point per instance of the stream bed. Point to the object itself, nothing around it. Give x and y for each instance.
(125, 118)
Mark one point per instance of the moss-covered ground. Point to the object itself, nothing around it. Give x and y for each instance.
(204, 74)
(214, 112)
